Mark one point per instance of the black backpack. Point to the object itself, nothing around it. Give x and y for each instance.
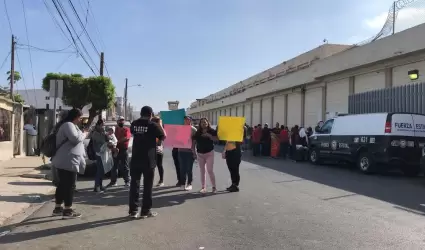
(48, 145)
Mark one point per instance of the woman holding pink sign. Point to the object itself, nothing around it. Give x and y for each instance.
(205, 137)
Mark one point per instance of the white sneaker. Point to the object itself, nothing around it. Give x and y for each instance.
(188, 188)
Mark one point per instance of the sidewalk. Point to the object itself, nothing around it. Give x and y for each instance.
(18, 192)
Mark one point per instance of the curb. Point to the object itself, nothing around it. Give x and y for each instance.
(10, 224)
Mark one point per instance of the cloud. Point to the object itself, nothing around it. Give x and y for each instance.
(406, 18)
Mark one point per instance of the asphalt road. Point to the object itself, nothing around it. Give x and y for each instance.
(282, 205)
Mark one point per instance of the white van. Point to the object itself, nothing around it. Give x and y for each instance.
(371, 140)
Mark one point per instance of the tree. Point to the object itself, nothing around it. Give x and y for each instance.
(17, 76)
(18, 98)
(79, 91)
(102, 95)
(5, 91)
(75, 91)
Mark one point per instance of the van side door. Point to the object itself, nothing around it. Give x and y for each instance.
(321, 139)
(402, 138)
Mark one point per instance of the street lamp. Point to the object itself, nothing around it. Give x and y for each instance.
(125, 96)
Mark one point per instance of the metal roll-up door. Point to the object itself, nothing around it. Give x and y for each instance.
(294, 109)
(256, 109)
(266, 110)
(369, 82)
(239, 111)
(337, 93)
(247, 114)
(279, 109)
(313, 107)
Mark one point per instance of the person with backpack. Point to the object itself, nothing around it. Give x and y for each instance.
(69, 160)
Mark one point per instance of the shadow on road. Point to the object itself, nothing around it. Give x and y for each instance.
(25, 236)
(30, 183)
(403, 192)
(118, 196)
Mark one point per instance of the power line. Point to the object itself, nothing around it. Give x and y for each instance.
(58, 3)
(8, 17)
(57, 22)
(62, 63)
(47, 50)
(63, 32)
(23, 79)
(73, 39)
(29, 50)
(102, 44)
(82, 25)
(5, 60)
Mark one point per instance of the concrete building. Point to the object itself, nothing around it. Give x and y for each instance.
(316, 84)
(41, 101)
(120, 106)
(173, 105)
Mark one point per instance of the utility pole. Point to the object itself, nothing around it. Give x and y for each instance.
(102, 63)
(394, 5)
(12, 67)
(125, 98)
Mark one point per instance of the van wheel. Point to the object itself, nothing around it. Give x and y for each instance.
(411, 171)
(365, 163)
(314, 156)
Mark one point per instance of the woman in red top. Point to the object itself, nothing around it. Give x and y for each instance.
(256, 140)
(284, 141)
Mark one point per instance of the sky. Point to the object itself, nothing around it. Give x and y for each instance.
(184, 49)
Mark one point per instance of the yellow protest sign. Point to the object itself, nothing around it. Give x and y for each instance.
(231, 128)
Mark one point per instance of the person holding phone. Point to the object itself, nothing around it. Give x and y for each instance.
(69, 160)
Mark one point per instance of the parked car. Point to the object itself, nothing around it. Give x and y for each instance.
(91, 165)
(394, 140)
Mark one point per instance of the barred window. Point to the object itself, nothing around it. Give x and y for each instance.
(5, 125)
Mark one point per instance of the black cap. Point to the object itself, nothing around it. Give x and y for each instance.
(187, 117)
(146, 111)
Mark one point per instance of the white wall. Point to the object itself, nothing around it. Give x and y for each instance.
(400, 76)
(369, 82)
(404, 42)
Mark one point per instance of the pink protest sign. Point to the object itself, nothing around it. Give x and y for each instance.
(178, 136)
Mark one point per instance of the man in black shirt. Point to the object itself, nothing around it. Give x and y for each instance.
(143, 161)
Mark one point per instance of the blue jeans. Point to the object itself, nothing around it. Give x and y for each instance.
(100, 172)
(186, 161)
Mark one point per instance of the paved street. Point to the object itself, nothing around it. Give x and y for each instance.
(282, 205)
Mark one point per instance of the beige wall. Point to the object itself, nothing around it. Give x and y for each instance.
(6, 147)
(383, 63)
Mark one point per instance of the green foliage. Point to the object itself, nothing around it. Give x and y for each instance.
(75, 90)
(18, 98)
(102, 92)
(17, 76)
(79, 91)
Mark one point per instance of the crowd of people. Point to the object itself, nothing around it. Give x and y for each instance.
(147, 155)
(280, 141)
